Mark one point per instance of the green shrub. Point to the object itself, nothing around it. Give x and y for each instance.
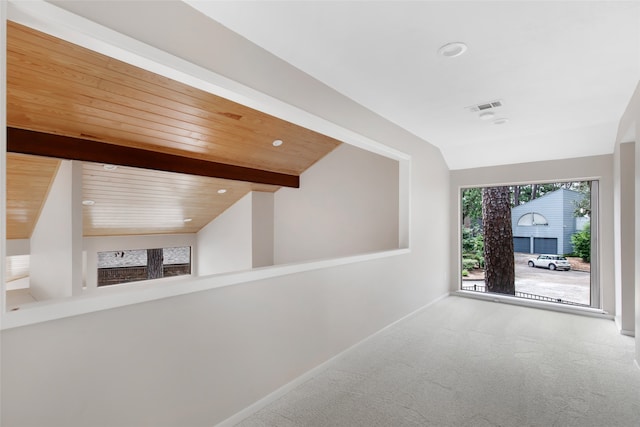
(582, 243)
(469, 263)
(472, 248)
(465, 273)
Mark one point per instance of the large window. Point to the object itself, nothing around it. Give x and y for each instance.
(532, 241)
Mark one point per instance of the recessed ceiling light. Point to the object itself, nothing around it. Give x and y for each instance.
(501, 121)
(222, 191)
(277, 143)
(451, 50)
(110, 167)
(487, 115)
(187, 220)
(88, 202)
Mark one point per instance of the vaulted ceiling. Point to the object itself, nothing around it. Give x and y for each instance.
(69, 102)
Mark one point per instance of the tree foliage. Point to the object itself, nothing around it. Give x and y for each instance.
(498, 240)
(526, 193)
(583, 206)
(521, 194)
(472, 203)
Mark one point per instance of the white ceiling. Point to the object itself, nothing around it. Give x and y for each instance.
(564, 70)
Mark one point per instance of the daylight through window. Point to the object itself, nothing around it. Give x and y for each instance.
(531, 241)
(115, 267)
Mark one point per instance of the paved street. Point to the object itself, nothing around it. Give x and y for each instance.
(569, 285)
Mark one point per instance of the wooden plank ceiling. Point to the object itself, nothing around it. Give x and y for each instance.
(141, 201)
(28, 182)
(55, 87)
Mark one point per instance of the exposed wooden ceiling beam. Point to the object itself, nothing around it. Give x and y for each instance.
(70, 148)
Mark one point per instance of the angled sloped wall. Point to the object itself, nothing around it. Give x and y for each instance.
(347, 204)
(56, 242)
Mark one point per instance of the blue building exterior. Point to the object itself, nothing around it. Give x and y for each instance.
(546, 224)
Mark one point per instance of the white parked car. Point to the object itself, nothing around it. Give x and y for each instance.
(552, 262)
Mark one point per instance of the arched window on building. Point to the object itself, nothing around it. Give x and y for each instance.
(533, 218)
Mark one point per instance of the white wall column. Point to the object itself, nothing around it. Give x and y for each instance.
(624, 204)
(91, 277)
(76, 228)
(627, 175)
(262, 228)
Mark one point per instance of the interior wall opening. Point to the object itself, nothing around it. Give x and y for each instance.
(224, 226)
(354, 201)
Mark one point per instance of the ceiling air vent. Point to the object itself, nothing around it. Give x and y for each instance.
(485, 106)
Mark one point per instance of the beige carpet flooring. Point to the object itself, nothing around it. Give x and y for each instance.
(465, 362)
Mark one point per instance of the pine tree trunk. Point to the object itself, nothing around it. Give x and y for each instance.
(154, 263)
(498, 240)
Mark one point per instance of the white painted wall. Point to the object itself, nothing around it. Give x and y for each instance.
(262, 212)
(199, 358)
(347, 204)
(93, 245)
(54, 241)
(18, 247)
(224, 244)
(624, 234)
(597, 167)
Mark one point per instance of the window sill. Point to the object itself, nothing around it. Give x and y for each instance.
(506, 299)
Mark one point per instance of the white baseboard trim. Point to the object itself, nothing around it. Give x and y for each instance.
(275, 395)
(628, 333)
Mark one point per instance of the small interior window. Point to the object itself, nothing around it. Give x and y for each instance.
(115, 267)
